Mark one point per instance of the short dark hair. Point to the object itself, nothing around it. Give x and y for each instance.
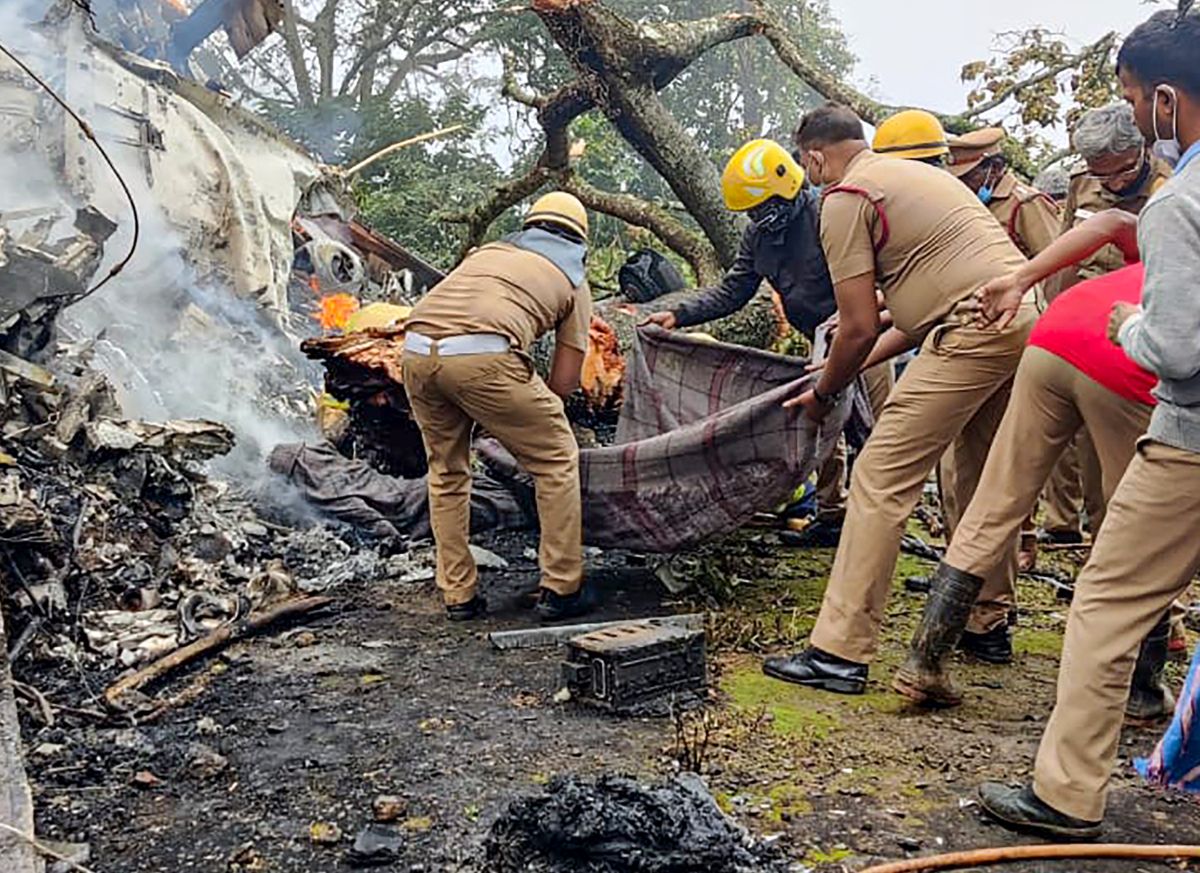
(829, 124)
(1162, 51)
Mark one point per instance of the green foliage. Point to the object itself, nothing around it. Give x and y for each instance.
(404, 195)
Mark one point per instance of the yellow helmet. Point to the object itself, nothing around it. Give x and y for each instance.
(758, 171)
(562, 209)
(913, 134)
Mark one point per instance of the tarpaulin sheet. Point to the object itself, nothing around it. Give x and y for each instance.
(704, 443)
(1176, 761)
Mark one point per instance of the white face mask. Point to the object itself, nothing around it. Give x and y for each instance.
(1170, 150)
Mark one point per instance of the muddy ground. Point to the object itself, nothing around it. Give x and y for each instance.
(309, 724)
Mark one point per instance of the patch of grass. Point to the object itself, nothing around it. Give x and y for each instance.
(819, 857)
(1028, 641)
(793, 710)
(788, 800)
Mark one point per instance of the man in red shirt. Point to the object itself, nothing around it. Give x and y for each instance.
(1070, 377)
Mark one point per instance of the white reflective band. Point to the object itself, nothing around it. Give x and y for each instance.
(457, 346)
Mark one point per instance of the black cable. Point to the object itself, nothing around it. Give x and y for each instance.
(87, 131)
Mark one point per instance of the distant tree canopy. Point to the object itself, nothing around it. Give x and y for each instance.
(621, 101)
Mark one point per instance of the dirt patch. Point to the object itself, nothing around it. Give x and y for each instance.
(383, 697)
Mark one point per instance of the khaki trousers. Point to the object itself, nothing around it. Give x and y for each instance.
(946, 392)
(1052, 401)
(1145, 556)
(831, 478)
(503, 394)
(1075, 482)
(959, 471)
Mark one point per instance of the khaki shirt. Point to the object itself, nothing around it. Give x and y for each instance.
(1027, 215)
(941, 242)
(1086, 197)
(510, 291)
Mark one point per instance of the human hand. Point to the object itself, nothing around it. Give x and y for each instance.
(997, 302)
(1120, 313)
(664, 320)
(815, 409)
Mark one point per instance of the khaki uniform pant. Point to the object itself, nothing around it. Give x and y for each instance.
(1144, 556)
(831, 479)
(1076, 481)
(947, 391)
(1052, 401)
(501, 393)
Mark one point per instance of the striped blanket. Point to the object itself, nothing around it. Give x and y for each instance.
(703, 443)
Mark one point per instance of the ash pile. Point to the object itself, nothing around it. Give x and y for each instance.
(616, 825)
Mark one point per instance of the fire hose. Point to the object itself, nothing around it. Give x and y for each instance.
(1008, 854)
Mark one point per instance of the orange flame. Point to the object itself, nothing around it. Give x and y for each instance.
(336, 310)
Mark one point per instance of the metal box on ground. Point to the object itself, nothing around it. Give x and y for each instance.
(636, 667)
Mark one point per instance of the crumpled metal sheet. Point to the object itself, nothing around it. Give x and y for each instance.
(186, 438)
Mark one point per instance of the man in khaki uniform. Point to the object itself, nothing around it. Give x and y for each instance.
(465, 363)
(1032, 219)
(1147, 551)
(1120, 173)
(928, 243)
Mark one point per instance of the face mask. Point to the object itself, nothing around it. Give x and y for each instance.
(1170, 150)
(985, 194)
(772, 216)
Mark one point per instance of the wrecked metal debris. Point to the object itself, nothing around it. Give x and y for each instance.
(636, 666)
(548, 637)
(617, 825)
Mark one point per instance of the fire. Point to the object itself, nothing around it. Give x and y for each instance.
(336, 310)
(603, 366)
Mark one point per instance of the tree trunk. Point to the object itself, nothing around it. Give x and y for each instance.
(622, 67)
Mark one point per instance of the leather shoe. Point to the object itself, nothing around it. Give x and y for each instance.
(552, 606)
(816, 669)
(474, 608)
(993, 647)
(1020, 809)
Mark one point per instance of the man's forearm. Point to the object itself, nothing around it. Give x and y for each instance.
(1111, 227)
(847, 355)
(891, 342)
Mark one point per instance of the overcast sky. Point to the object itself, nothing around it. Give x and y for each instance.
(915, 51)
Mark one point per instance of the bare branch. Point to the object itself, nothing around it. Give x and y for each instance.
(800, 63)
(295, 51)
(479, 218)
(688, 245)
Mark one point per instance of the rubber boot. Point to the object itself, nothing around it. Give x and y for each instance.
(922, 677)
(1149, 699)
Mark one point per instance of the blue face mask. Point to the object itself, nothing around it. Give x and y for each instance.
(985, 194)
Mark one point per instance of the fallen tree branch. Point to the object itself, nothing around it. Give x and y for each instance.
(1104, 44)
(688, 245)
(1008, 854)
(44, 849)
(215, 641)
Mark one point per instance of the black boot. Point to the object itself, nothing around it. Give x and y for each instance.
(814, 668)
(993, 647)
(923, 677)
(552, 606)
(474, 608)
(1149, 699)
(1020, 809)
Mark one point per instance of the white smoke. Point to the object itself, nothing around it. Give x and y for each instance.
(173, 346)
